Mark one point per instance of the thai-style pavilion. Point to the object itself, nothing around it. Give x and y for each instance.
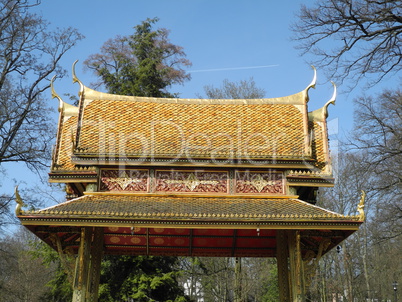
(191, 177)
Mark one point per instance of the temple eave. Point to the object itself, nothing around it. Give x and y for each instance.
(350, 224)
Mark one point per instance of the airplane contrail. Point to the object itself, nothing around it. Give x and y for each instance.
(233, 68)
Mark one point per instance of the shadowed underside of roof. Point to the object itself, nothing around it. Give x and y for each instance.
(190, 226)
(107, 132)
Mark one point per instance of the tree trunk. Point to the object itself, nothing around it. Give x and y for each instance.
(365, 267)
(238, 287)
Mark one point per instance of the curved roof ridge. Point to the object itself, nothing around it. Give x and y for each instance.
(299, 98)
(65, 108)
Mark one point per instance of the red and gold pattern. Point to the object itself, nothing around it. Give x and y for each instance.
(195, 242)
(259, 182)
(197, 181)
(191, 181)
(124, 180)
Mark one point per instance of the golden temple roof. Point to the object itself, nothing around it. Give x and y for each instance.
(191, 177)
(191, 130)
(108, 126)
(188, 208)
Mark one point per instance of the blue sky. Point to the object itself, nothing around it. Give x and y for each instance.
(223, 39)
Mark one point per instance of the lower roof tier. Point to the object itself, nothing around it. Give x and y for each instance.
(205, 242)
(188, 209)
(189, 226)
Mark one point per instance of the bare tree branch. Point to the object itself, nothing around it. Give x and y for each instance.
(29, 54)
(352, 39)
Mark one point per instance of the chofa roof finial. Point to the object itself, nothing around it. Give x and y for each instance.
(321, 114)
(55, 95)
(75, 78)
(360, 206)
(19, 201)
(314, 81)
(331, 101)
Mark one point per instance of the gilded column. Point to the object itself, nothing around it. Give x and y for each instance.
(282, 254)
(82, 266)
(296, 266)
(95, 265)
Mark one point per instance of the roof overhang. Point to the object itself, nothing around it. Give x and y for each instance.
(190, 225)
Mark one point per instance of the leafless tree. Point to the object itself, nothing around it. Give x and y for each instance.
(22, 277)
(338, 270)
(29, 54)
(352, 38)
(244, 89)
(378, 134)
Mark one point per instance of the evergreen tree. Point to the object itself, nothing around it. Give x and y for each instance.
(140, 279)
(143, 64)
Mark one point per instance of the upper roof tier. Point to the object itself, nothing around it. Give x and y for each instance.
(144, 129)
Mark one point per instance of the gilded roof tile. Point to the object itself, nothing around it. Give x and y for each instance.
(63, 157)
(184, 207)
(130, 128)
(317, 145)
(112, 126)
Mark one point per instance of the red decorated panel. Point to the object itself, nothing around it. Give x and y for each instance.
(197, 181)
(117, 230)
(213, 232)
(248, 182)
(163, 231)
(187, 242)
(118, 240)
(169, 241)
(138, 240)
(132, 180)
(257, 232)
(255, 242)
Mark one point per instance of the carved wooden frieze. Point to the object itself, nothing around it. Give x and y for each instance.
(192, 181)
(133, 180)
(248, 182)
(197, 181)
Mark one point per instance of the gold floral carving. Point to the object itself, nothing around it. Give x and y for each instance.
(256, 182)
(259, 183)
(192, 182)
(124, 181)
